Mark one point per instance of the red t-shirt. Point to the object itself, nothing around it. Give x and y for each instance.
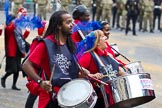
(39, 56)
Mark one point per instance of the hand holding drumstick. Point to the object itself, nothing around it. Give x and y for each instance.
(46, 85)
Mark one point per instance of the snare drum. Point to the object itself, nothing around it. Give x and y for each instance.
(77, 93)
(135, 67)
(132, 90)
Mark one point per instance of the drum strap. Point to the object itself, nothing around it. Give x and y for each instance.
(97, 59)
(102, 88)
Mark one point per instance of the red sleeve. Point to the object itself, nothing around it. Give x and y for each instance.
(26, 34)
(85, 60)
(39, 57)
(88, 62)
(40, 31)
(76, 37)
(11, 26)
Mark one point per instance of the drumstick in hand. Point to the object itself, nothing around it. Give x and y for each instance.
(53, 69)
(99, 81)
(121, 54)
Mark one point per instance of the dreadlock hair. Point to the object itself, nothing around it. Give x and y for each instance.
(55, 21)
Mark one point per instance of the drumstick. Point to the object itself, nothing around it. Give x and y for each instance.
(98, 80)
(79, 31)
(53, 69)
(121, 54)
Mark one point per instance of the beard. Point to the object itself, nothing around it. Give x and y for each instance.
(66, 33)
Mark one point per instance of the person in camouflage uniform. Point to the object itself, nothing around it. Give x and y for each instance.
(121, 12)
(148, 14)
(17, 5)
(98, 10)
(141, 14)
(106, 11)
(65, 4)
(87, 3)
(42, 9)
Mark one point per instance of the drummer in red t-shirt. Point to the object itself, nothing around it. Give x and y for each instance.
(54, 51)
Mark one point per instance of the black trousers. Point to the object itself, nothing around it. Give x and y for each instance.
(114, 11)
(30, 101)
(53, 104)
(157, 15)
(132, 17)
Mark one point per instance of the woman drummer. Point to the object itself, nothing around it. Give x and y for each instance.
(96, 58)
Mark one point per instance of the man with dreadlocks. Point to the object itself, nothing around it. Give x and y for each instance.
(53, 55)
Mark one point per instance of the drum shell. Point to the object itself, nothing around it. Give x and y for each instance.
(131, 90)
(135, 67)
(89, 102)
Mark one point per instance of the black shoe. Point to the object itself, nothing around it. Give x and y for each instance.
(117, 27)
(160, 30)
(129, 29)
(151, 31)
(3, 83)
(122, 29)
(144, 30)
(15, 88)
(134, 34)
(140, 29)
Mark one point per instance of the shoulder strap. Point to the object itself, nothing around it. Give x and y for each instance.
(97, 59)
(49, 45)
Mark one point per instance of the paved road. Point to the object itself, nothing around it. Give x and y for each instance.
(145, 47)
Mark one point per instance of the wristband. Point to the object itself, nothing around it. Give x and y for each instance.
(39, 81)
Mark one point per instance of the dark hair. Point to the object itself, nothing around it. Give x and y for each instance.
(79, 11)
(102, 23)
(54, 22)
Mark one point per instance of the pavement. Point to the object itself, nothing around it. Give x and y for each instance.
(146, 47)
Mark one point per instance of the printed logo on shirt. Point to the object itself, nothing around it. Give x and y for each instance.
(63, 63)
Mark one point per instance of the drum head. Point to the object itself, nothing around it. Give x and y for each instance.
(74, 92)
